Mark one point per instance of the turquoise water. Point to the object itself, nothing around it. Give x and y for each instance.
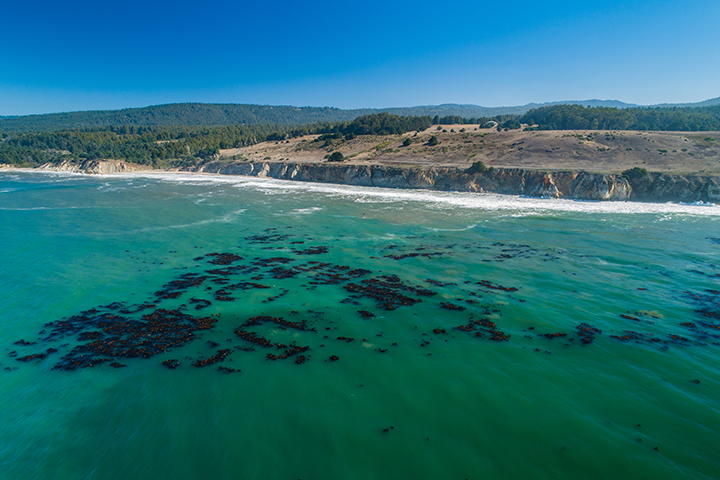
(411, 395)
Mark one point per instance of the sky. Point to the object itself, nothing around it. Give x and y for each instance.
(96, 55)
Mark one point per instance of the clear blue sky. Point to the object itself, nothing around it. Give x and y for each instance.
(86, 55)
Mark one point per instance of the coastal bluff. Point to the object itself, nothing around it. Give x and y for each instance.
(98, 167)
(579, 185)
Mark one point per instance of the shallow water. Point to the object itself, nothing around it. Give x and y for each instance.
(411, 394)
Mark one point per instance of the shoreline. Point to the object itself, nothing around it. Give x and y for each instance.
(573, 164)
(571, 185)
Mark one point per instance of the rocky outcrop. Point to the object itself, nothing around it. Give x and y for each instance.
(94, 167)
(663, 187)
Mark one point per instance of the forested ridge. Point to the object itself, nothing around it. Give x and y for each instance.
(165, 146)
(576, 117)
(178, 146)
(213, 115)
(180, 114)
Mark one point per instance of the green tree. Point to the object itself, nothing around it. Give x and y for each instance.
(477, 167)
(336, 157)
(634, 173)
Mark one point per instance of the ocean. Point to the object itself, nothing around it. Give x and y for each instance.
(189, 326)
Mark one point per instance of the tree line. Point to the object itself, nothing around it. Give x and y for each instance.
(160, 146)
(163, 146)
(577, 117)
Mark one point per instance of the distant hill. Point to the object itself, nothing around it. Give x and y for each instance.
(180, 114)
(706, 103)
(209, 114)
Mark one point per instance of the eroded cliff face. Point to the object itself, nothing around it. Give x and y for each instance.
(578, 185)
(653, 187)
(660, 187)
(94, 167)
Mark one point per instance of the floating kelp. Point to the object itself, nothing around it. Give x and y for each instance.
(222, 369)
(414, 254)
(704, 330)
(281, 273)
(438, 283)
(200, 303)
(267, 262)
(552, 335)
(117, 330)
(36, 356)
(492, 286)
(108, 336)
(312, 251)
(708, 303)
(177, 287)
(218, 357)
(256, 339)
(385, 290)
(483, 328)
(452, 306)
(172, 364)
(220, 258)
(333, 274)
(587, 333)
(269, 237)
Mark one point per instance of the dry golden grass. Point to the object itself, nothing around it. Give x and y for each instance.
(460, 145)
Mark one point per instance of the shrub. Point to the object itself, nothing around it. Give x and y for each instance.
(634, 173)
(433, 141)
(336, 157)
(329, 136)
(477, 167)
(407, 142)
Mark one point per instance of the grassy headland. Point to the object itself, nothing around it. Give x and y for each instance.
(562, 137)
(463, 145)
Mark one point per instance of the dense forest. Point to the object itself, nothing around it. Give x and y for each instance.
(576, 117)
(178, 146)
(213, 115)
(164, 146)
(384, 124)
(180, 114)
